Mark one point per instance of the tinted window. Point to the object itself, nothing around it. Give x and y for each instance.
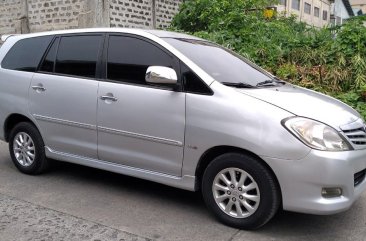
(49, 60)
(78, 55)
(129, 58)
(192, 83)
(26, 54)
(220, 63)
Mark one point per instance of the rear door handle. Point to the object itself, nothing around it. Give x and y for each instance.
(107, 97)
(38, 88)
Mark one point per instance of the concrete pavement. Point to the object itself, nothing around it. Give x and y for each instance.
(72, 202)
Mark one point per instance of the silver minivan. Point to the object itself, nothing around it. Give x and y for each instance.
(181, 111)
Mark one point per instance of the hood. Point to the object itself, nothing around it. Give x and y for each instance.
(306, 103)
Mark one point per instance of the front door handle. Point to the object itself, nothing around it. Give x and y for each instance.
(39, 88)
(108, 97)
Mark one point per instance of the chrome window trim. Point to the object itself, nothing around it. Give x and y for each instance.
(139, 32)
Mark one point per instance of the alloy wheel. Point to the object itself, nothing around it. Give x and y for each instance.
(236, 192)
(24, 149)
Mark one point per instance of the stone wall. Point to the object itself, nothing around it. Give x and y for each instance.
(164, 10)
(22, 16)
(131, 13)
(10, 15)
(46, 15)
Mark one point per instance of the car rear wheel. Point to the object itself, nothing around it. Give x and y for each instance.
(240, 191)
(27, 149)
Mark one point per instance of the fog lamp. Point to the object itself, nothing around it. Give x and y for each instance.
(332, 192)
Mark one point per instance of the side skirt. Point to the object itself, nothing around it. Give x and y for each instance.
(186, 182)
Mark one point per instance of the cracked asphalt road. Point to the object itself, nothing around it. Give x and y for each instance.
(72, 202)
(22, 220)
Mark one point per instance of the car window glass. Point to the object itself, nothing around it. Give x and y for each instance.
(192, 83)
(220, 63)
(129, 58)
(78, 55)
(26, 54)
(49, 60)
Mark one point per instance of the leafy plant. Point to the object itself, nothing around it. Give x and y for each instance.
(329, 59)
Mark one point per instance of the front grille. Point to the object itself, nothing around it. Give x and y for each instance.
(356, 136)
(360, 177)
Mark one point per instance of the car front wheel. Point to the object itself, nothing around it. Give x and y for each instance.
(240, 191)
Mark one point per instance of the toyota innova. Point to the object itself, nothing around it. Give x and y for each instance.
(181, 111)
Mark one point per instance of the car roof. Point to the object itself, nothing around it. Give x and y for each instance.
(141, 32)
(169, 34)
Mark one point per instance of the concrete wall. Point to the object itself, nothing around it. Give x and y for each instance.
(360, 4)
(311, 19)
(164, 9)
(50, 15)
(22, 16)
(10, 16)
(130, 13)
(143, 13)
(339, 12)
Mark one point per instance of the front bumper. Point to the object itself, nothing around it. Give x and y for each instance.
(302, 180)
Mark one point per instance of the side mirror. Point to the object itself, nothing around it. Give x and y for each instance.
(161, 75)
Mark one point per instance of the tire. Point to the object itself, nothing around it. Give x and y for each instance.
(31, 165)
(254, 203)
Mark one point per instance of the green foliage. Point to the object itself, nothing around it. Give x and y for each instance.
(355, 99)
(331, 60)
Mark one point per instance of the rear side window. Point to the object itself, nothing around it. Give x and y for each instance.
(129, 58)
(26, 54)
(49, 60)
(78, 55)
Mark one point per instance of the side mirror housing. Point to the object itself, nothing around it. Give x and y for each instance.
(161, 75)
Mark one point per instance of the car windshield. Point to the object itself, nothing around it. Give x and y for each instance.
(223, 64)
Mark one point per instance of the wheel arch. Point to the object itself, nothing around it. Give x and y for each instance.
(12, 120)
(216, 151)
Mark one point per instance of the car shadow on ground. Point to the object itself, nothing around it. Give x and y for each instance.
(126, 183)
(284, 223)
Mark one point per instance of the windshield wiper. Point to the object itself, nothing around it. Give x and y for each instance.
(238, 85)
(272, 82)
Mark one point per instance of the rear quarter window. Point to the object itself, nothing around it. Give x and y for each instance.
(26, 54)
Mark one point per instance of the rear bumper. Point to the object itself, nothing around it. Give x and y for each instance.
(302, 180)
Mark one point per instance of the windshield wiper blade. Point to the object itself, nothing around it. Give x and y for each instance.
(238, 85)
(272, 82)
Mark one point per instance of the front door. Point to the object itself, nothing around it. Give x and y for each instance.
(139, 125)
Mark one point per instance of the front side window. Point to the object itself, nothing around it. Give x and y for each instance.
(307, 8)
(129, 58)
(296, 4)
(26, 54)
(221, 64)
(192, 83)
(316, 12)
(325, 15)
(78, 55)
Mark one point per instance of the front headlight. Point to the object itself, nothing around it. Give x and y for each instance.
(316, 135)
